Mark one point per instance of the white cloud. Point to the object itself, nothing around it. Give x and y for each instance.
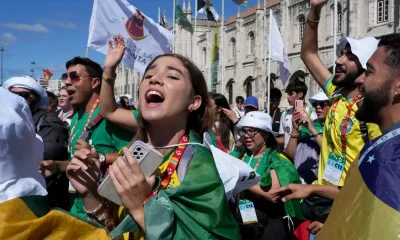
(39, 28)
(60, 24)
(8, 37)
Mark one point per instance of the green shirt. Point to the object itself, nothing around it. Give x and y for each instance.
(105, 138)
(305, 133)
(258, 164)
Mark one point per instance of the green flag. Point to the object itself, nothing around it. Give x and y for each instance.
(182, 20)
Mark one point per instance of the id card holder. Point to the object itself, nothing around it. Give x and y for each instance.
(247, 211)
(334, 169)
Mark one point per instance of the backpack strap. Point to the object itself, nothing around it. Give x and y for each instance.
(364, 131)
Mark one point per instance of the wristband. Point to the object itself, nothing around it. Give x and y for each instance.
(235, 123)
(107, 79)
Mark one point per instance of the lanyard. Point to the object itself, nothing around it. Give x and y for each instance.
(87, 122)
(259, 160)
(173, 163)
(345, 124)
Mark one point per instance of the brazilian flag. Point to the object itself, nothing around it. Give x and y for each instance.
(30, 218)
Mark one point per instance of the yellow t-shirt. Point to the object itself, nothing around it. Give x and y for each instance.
(354, 139)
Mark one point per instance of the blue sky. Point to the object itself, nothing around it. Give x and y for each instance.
(52, 32)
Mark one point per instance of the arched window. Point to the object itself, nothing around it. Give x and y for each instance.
(204, 52)
(230, 91)
(249, 89)
(383, 11)
(252, 43)
(302, 25)
(233, 48)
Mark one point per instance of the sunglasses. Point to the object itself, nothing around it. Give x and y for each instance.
(24, 95)
(321, 104)
(74, 76)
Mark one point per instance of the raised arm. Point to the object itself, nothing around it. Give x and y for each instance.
(309, 48)
(108, 107)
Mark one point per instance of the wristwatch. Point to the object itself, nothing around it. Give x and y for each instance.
(102, 159)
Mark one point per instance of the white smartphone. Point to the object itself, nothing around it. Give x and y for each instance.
(148, 159)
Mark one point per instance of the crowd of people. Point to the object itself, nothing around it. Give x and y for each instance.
(324, 167)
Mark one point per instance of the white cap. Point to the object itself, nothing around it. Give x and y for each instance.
(319, 97)
(362, 48)
(259, 120)
(21, 149)
(31, 84)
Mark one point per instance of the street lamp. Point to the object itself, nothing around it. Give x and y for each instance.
(1, 64)
(33, 69)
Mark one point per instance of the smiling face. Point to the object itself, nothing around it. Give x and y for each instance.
(347, 69)
(376, 86)
(166, 92)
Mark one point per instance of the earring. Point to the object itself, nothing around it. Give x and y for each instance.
(191, 109)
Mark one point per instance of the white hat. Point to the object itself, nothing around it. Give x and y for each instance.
(319, 97)
(362, 48)
(31, 84)
(21, 149)
(259, 120)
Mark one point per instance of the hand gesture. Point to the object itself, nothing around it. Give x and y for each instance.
(134, 188)
(116, 50)
(82, 144)
(84, 171)
(292, 191)
(48, 168)
(307, 120)
(296, 119)
(230, 114)
(315, 227)
(318, 3)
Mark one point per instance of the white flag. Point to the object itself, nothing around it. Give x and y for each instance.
(278, 51)
(144, 39)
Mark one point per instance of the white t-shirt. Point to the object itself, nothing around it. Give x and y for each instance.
(286, 122)
(239, 113)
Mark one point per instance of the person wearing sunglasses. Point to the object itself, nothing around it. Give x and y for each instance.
(306, 138)
(88, 129)
(260, 152)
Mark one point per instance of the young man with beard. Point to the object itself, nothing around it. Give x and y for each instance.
(370, 198)
(83, 82)
(344, 135)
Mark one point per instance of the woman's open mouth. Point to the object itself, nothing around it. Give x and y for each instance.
(154, 98)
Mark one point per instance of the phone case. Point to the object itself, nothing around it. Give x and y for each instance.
(149, 160)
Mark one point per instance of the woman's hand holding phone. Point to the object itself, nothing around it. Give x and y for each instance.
(134, 188)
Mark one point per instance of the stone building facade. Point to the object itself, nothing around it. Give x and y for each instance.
(244, 46)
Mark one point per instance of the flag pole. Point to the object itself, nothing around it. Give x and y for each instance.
(173, 24)
(269, 60)
(222, 35)
(87, 52)
(159, 14)
(335, 22)
(266, 78)
(195, 32)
